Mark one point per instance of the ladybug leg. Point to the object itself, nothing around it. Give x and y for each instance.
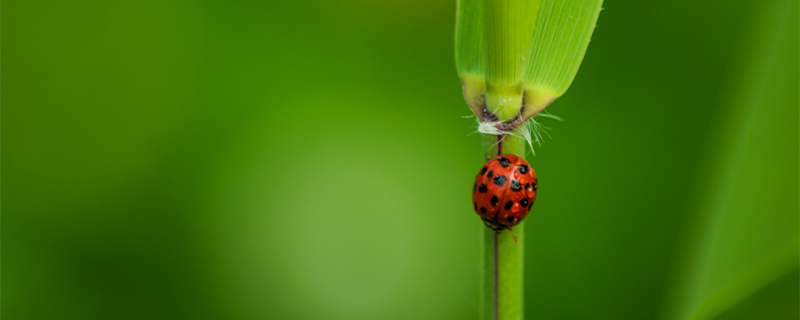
(492, 225)
(514, 236)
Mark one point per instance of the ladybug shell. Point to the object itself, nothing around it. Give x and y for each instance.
(504, 191)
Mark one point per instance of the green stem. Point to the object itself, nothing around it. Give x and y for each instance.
(502, 257)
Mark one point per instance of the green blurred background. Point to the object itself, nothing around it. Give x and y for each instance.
(311, 160)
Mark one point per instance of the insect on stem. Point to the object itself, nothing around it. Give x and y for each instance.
(508, 174)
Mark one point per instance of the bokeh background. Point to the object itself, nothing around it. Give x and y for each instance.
(312, 160)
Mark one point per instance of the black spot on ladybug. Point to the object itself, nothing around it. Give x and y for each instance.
(474, 187)
(515, 186)
(483, 209)
(482, 188)
(500, 180)
(535, 186)
(509, 204)
(523, 169)
(510, 219)
(504, 162)
(523, 202)
(528, 186)
(483, 170)
(490, 174)
(494, 200)
(475, 205)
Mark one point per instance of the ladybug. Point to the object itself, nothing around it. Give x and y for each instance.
(504, 191)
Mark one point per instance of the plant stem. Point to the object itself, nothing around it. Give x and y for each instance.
(502, 257)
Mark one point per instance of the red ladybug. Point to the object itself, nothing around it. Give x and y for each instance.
(504, 191)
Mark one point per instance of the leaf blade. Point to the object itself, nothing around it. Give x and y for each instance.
(471, 53)
(559, 42)
(470, 48)
(508, 27)
(744, 235)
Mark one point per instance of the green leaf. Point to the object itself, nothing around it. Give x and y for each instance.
(508, 27)
(470, 50)
(561, 37)
(471, 53)
(745, 236)
(510, 49)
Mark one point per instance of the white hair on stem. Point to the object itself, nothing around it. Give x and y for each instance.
(532, 131)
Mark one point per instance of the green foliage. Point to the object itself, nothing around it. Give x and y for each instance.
(508, 26)
(180, 159)
(524, 48)
(745, 236)
(471, 53)
(470, 48)
(561, 37)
